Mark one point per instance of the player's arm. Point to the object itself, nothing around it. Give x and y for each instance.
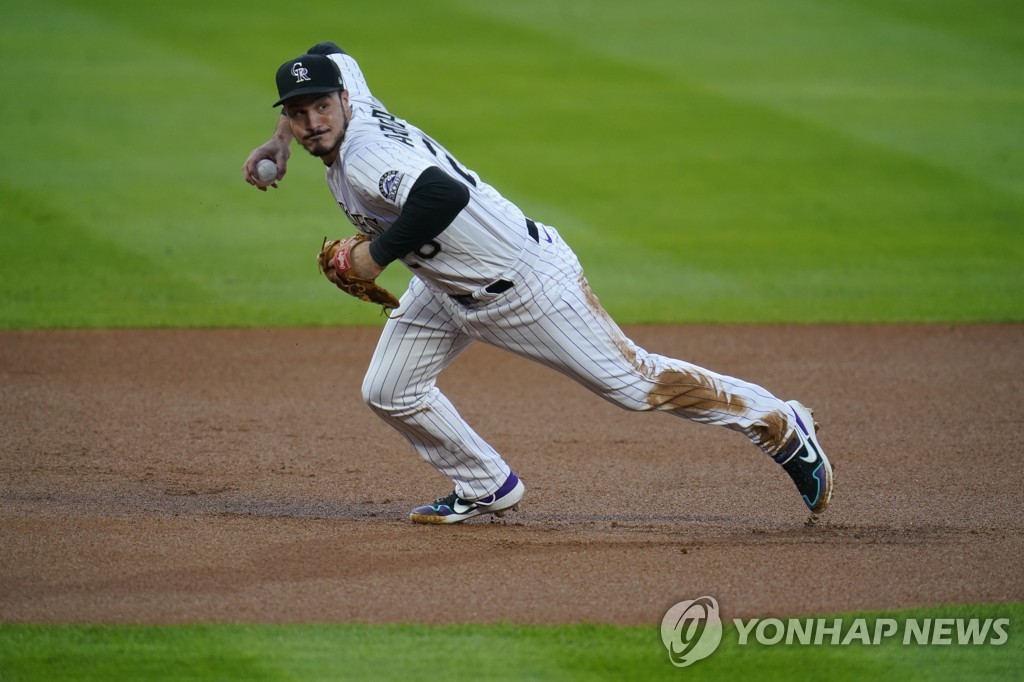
(434, 201)
(277, 148)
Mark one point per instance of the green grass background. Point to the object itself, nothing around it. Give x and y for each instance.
(729, 161)
(492, 652)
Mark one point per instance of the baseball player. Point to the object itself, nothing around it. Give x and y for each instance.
(484, 271)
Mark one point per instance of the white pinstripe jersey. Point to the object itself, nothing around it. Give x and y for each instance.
(380, 160)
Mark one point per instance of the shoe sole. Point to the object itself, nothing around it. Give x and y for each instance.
(509, 503)
(807, 415)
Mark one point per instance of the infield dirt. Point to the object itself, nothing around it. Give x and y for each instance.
(236, 476)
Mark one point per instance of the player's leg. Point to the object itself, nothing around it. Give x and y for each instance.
(400, 387)
(630, 376)
(553, 317)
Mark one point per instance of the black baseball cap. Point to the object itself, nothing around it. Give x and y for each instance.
(308, 74)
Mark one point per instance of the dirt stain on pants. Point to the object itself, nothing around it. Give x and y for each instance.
(693, 392)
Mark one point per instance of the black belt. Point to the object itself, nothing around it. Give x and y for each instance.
(501, 285)
(531, 227)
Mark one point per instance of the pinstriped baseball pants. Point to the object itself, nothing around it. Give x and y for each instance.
(550, 316)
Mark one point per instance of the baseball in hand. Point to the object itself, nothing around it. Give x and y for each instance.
(266, 171)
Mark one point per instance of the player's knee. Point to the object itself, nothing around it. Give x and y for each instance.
(387, 399)
(374, 395)
(627, 399)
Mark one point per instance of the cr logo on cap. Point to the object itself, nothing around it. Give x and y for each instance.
(301, 73)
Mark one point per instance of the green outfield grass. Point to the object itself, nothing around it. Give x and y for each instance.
(845, 160)
(491, 652)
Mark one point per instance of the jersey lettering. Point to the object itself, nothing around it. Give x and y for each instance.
(367, 224)
(392, 127)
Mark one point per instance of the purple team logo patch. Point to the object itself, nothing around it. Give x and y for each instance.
(389, 184)
(300, 72)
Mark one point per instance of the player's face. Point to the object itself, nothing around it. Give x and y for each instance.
(319, 123)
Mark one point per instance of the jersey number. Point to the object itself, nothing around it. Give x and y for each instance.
(432, 248)
(432, 147)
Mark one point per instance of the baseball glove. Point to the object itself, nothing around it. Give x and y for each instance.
(335, 263)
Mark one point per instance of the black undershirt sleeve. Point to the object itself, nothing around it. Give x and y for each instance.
(433, 202)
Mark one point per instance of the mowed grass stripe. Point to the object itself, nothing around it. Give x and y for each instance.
(943, 82)
(496, 652)
(695, 186)
(862, 217)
